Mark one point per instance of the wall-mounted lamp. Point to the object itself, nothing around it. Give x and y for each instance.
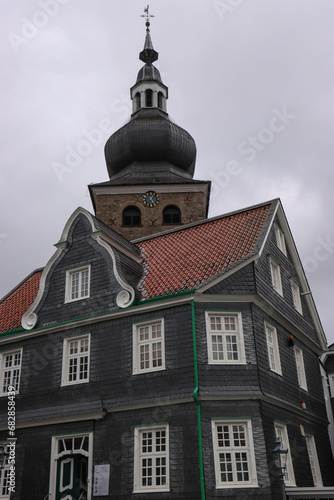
(280, 459)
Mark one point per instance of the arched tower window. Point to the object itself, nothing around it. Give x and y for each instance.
(160, 100)
(149, 98)
(131, 216)
(138, 100)
(171, 215)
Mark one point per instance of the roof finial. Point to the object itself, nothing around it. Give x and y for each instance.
(148, 55)
(147, 16)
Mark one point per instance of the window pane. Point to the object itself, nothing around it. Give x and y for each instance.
(217, 347)
(77, 353)
(11, 371)
(151, 459)
(148, 347)
(234, 454)
(225, 339)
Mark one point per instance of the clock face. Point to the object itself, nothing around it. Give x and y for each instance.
(150, 199)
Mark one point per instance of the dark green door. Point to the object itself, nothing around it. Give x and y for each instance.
(71, 477)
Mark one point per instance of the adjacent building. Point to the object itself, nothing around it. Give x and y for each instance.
(159, 353)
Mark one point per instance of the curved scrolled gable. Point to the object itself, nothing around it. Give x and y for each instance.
(124, 298)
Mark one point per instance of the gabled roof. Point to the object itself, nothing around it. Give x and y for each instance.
(186, 258)
(174, 261)
(16, 302)
(193, 257)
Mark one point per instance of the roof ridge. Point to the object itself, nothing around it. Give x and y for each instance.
(205, 221)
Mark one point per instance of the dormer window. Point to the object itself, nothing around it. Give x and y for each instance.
(149, 98)
(171, 215)
(131, 216)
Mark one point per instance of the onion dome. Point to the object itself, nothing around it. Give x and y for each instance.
(150, 146)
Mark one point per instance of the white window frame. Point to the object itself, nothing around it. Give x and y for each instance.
(158, 455)
(14, 377)
(314, 462)
(273, 349)
(68, 356)
(5, 478)
(81, 294)
(276, 280)
(280, 239)
(297, 303)
(219, 340)
(233, 451)
(150, 344)
(300, 367)
(55, 456)
(281, 433)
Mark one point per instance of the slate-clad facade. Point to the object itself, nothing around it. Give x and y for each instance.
(166, 366)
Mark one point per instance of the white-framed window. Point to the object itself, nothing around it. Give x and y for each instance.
(148, 346)
(313, 458)
(280, 239)
(273, 349)
(10, 370)
(297, 303)
(234, 456)
(300, 368)
(4, 476)
(282, 435)
(225, 338)
(151, 461)
(77, 283)
(76, 354)
(276, 276)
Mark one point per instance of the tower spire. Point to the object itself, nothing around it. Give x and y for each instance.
(148, 55)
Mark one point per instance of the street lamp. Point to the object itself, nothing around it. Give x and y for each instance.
(280, 458)
(3, 456)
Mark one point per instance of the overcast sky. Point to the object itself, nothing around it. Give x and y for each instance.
(251, 80)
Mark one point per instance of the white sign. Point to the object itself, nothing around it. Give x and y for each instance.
(101, 480)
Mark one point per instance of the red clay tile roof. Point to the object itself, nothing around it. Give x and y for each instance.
(173, 262)
(17, 302)
(179, 261)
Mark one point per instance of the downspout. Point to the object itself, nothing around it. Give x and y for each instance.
(198, 404)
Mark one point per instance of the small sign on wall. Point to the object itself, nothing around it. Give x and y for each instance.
(101, 480)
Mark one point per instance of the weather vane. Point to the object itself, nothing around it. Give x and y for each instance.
(147, 15)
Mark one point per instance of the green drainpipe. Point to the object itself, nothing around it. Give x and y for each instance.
(198, 404)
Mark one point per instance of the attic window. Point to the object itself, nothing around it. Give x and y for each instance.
(296, 297)
(77, 283)
(280, 240)
(171, 215)
(148, 96)
(276, 276)
(131, 216)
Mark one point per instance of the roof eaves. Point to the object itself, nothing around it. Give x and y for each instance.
(305, 287)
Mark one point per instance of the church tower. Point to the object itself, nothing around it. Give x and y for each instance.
(150, 162)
